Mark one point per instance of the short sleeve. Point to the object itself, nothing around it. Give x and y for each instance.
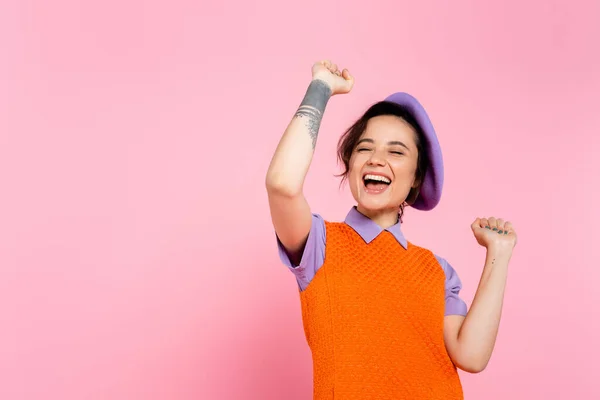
(455, 305)
(313, 255)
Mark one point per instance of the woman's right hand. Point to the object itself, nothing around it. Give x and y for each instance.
(340, 82)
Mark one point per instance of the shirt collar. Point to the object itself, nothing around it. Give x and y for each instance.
(369, 230)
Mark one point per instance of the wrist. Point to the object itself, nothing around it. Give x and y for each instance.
(499, 251)
(317, 95)
(323, 80)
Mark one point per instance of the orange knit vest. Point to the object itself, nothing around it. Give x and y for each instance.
(374, 317)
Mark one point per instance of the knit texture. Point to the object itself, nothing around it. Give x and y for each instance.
(374, 317)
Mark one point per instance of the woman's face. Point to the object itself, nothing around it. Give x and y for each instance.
(383, 165)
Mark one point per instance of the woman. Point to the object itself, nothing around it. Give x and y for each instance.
(382, 316)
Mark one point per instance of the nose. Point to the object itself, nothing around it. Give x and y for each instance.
(376, 159)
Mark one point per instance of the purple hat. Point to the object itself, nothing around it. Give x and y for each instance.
(431, 188)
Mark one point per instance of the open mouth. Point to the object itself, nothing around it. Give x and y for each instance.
(376, 183)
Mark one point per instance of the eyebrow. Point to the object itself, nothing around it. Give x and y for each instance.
(392, 143)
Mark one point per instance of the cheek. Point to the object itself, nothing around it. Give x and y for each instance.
(353, 167)
(354, 171)
(353, 178)
(405, 173)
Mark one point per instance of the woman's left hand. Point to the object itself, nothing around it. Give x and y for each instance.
(494, 232)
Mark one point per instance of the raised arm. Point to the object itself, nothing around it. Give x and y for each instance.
(290, 212)
(470, 341)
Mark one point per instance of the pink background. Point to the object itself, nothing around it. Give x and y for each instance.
(136, 252)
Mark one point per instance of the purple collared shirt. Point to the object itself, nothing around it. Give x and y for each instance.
(314, 256)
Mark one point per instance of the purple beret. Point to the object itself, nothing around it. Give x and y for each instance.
(431, 188)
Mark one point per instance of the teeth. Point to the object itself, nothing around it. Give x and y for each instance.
(377, 178)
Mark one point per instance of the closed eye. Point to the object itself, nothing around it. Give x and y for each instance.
(362, 149)
(397, 152)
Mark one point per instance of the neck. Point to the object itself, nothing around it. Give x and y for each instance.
(384, 218)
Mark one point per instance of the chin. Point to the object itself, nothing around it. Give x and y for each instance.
(375, 203)
(375, 206)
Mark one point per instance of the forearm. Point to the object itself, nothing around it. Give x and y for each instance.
(477, 335)
(294, 153)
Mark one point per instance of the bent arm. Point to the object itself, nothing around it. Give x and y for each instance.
(470, 340)
(290, 212)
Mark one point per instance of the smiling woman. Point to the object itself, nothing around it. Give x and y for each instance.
(382, 316)
(386, 130)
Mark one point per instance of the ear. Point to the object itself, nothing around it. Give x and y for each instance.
(412, 195)
(415, 189)
(416, 183)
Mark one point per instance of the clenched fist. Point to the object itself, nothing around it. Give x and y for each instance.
(339, 82)
(494, 232)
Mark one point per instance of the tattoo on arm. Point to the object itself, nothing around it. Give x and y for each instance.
(313, 106)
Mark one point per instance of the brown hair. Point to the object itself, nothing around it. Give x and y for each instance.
(347, 143)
